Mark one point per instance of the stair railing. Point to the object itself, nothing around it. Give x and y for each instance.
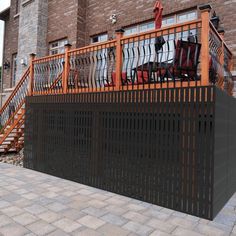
(15, 100)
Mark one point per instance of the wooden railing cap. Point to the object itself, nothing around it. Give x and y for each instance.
(68, 45)
(32, 54)
(205, 7)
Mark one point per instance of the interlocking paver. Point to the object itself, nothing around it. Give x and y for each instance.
(86, 232)
(12, 211)
(49, 216)
(11, 197)
(78, 205)
(182, 222)
(30, 196)
(80, 198)
(85, 192)
(4, 204)
(67, 225)
(99, 196)
(93, 211)
(56, 206)
(13, 229)
(25, 219)
(35, 209)
(58, 233)
(97, 203)
(116, 209)
(116, 201)
(135, 207)
(156, 214)
(159, 233)
(91, 222)
(5, 220)
(32, 203)
(161, 225)
(114, 219)
(41, 228)
(138, 228)
(208, 230)
(185, 232)
(112, 230)
(234, 230)
(137, 217)
(72, 214)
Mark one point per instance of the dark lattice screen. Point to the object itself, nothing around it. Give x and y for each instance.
(152, 145)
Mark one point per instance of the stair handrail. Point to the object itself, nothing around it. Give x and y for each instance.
(16, 98)
(9, 121)
(8, 101)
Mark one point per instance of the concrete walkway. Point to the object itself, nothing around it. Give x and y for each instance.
(33, 203)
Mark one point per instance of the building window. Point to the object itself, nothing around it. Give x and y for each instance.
(57, 47)
(14, 69)
(18, 2)
(139, 28)
(179, 18)
(99, 38)
(167, 21)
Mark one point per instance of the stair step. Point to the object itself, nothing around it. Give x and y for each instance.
(6, 143)
(9, 139)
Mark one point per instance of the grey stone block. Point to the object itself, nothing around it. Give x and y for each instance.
(67, 225)
(138, 228)
(91, 222)
(115, 220)
(13, 229)
(41, 228)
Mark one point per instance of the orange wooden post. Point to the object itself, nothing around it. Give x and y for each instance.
(66, 68)
(31, 75)
(119, 35)
(222, 58)
(205, 57)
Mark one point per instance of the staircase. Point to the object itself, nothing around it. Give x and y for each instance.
(12, 117)
(12, 114)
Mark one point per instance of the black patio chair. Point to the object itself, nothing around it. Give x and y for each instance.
(183, 64)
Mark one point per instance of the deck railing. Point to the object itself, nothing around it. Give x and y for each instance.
(183, 55)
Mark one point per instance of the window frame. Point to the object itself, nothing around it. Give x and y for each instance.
(136, 28)
(99, 37)
(60, 48)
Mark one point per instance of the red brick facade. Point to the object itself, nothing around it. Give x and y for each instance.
(132, 12)
(78, 20)
(62, 17)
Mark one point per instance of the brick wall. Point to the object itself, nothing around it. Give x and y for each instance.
(78, 20)
(62, 20)
(131, 12)
(10, 43)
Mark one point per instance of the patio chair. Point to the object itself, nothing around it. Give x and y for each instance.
(183, 65)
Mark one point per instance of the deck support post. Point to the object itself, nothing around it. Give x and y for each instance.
(119, 35)
(222, 58)
(66, 69)
(205, 57)
(31, 75)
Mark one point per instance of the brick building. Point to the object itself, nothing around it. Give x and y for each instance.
(44, 26)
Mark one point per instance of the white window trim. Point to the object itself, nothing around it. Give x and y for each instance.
(60, 48)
